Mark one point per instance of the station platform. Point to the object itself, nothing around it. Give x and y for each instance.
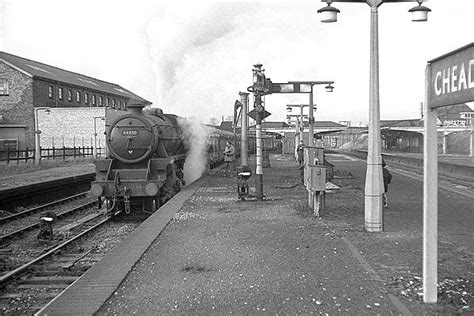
(207, 252)
(15, 180)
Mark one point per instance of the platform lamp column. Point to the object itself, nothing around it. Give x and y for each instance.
(244, 150)
(38, 132)
(374, 182)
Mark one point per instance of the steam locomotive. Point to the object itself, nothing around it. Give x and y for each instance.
(147, 151)
(145, 164)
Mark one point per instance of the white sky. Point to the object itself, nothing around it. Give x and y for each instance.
(192, 58)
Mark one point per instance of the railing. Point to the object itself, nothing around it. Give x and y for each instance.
(10, 156)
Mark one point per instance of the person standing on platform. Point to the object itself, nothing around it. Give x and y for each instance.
(229, 156)
(300, 151)
(387, 178)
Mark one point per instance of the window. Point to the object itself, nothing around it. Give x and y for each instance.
(113, 104)
(78, 97)
(107, 102)
(86, 98)
(3, 87)
(60, 93)
(50, 92)
(69, 95)
(93, 99)
(101, 101)
(120, 104)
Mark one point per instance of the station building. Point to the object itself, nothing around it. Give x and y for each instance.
(65, 106)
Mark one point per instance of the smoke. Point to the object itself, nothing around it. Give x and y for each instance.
(195, 137)
(203, 54)
(175, 38)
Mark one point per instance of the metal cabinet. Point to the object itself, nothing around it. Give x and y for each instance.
(315, 178)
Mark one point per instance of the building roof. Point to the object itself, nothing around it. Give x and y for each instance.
(326, 124)
(39, 70)
(401, 123)
(452, 112)
(226, 126)
(278, 125)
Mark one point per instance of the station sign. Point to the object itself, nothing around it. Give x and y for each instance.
(452, 78)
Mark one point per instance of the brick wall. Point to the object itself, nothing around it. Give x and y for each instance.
(71, 127)
(41, 95)
(74, 126)
(17, 107)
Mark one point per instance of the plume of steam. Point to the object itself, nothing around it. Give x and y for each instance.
(176, 35)
(196, 139)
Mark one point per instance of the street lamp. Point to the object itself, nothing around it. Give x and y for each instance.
(329, 88)
(374, 179)
(95, 133)
(38, 132)
(301, 125)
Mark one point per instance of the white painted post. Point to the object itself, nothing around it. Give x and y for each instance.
(430, 200)
(374, 180)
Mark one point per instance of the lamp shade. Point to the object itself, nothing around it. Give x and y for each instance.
(328, 14)
(419, 13)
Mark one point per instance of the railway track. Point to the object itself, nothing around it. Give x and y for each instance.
(417, 169)
(36, 224)
(32, 284)
(49, 253)
(37, 270)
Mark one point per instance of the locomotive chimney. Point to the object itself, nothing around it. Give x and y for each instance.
(135, 108)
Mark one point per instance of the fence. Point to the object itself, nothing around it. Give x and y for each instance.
(25, 155)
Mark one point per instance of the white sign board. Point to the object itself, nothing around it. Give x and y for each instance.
(452, 77)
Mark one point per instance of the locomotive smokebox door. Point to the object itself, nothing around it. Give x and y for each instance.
(243, 175)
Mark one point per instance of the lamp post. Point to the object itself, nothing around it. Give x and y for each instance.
(299, 127)
(374, 178)
(95, 134)
(38, 132)
(329, 88)
(289, 108)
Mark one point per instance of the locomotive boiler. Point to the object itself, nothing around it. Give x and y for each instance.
(144, 167)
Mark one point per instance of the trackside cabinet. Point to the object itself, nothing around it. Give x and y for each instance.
(316, 178)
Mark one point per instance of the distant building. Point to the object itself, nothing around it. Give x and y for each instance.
(455, 115)
(73, 101)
